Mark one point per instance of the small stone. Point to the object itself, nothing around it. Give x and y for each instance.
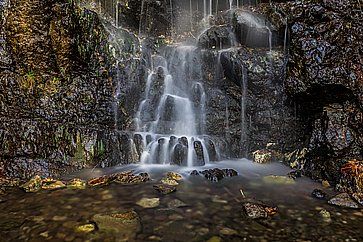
(107, 197)
(154, 238)
(294, 174)
(87, 228)
(202, 231)
(176, 203)
(281, 180)
(343, 200)
(33, 185)
(149, 202)
(59, 218)
(262, 156)
(44, 234)
(258, 210)
(76, 184)
(168, 181)
(99, 181)
(217, 199)
(325, 184)
(194, 173)
(325, 215)
(319, 194)
(215, 239)
(164, 189)
(174, 176)
(227, 231)
(50, 184)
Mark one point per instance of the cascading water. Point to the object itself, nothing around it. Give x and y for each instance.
(171, 118)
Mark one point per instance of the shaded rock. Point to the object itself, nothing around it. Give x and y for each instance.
(194, 173)
(319, 194)
(176, 203)
(168, 181)
(343, 200)
(87, 228)
(281, 180)
(295, 174)
(76, 184)
(164, 189)
(258, 210)
(125, 223)
(175, 176)
(216, 174)
(33, 185)
(149, 202)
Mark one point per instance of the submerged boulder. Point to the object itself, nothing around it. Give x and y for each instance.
(164, 189)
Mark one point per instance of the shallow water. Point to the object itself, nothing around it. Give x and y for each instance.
(211, 208)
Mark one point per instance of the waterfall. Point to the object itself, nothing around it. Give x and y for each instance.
(230, 4)
(171, 118)
(243, 109)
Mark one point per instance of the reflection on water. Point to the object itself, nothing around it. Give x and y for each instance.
(212, 208)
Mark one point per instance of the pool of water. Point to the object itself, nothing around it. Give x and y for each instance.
(212, 208)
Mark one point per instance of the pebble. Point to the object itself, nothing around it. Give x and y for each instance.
(149, 202)
(325, 215)
(87, 228)
(59, 218)
(215, 239)
(227, 231)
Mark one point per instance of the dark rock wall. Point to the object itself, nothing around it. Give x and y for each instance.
(325, 80)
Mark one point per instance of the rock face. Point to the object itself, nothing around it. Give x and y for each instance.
(325, 80)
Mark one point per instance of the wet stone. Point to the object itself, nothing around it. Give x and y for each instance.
(164, 189)
(227, 231)
(262, 156)
(295, 174)
(50, 184)
(174, 176)
(358, 197)
(343, 200)
(87, 228)
(319, 194)
(129, 178)
(194, 173)
(149, 202)
(325, 215)
(33, 185)
(176, 203)
(124, 223)
(168, 181)
(99, 181)
(216, 174)
(258, 210)
(76, 184)
(280, 180)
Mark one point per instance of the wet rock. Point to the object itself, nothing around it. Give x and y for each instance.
(168, 181)
(319, 194)
(194, 173)
(149, 202)
(176, 203)
(130, 178)
(76, 184)
(343, 200)
(325, 215)
(358, 197)
(295, 174)
(51, 184)
(230, 172)
(164, 189)
(175, 176)
(281, 180)
(33, 185)
(215, 239)
(258, 210)
(125, 224)
(87, 228)
(99, 181)
(217, 37)
(216, 174)
(227, 231)
(297, 158)
(262, 156)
